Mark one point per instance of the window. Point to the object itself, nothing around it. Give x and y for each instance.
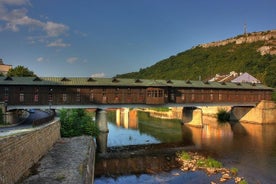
(6, 94)
(64, 97)
(160, 93)
(78, 97)
(91, 95)
(50, 95)
(36, 95)
(21, 97)
(183, 96)
(128, 91)
(220, 97)
(36, 98)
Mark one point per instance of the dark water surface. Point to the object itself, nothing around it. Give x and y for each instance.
(249, 147)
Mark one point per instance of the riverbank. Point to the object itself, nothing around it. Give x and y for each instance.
(65, 163)
(193, 161)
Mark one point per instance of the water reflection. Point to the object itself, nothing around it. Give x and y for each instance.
(249, 147)
(135, 129)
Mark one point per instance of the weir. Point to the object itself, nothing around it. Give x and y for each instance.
(150, 159)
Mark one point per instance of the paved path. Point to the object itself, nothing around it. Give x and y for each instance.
(64, 164)
(25, 126)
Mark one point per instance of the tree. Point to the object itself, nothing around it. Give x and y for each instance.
(20, 71)
(77, 122)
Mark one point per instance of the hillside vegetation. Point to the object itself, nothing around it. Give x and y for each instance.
(204, 61)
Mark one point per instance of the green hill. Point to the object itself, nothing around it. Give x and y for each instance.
(253, 53)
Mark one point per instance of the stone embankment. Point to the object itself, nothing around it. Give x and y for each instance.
(71, 160)
(19, 152)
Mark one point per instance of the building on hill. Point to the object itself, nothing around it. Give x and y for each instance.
(245, 77)
(4, 68)
(235, 77)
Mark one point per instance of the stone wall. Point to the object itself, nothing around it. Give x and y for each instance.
(18, 153)
(268, 37)
(90, 164)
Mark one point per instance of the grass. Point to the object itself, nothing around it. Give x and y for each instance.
(209, 162)
(243, 182)
(184, 155)
(234, 171)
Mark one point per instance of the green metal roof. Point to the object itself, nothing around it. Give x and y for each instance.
(121, 82)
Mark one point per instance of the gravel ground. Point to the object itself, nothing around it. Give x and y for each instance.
(63, 163)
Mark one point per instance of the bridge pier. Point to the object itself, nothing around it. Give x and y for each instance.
(192, 116)
(263, 113)
(101, 120)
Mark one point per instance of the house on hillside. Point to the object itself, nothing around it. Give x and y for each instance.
(245, 77)
(4, 68)
(235, 77)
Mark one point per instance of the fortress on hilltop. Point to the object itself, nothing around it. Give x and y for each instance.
(269, 38)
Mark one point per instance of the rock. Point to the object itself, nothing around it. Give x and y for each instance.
(222, 180)
(238, 179)
(210, 170)
(186, 168)
(226, 176)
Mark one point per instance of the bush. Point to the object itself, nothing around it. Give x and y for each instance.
(209, 162)
(234, 171)
(184, 155)
(223, 116)
(76, 122)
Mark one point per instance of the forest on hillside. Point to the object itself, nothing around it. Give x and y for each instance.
(201, 63)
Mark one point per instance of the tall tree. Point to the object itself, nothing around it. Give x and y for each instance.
(20, 71)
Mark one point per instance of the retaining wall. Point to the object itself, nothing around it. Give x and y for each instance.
(18, 153)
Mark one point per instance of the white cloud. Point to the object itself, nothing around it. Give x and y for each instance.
(40, 59)
(15, 2)
(72, 60)
(58, 43)
(54, 29)
(98, 75)
(15, 18)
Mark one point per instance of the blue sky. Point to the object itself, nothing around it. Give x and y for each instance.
(102, 38)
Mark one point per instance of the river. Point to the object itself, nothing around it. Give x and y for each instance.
(249, 147)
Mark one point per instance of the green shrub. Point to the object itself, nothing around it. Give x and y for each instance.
(76, 122)
(243, 182)
(234, 171)
(223, 116)
(209, 162)
(183, 155)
